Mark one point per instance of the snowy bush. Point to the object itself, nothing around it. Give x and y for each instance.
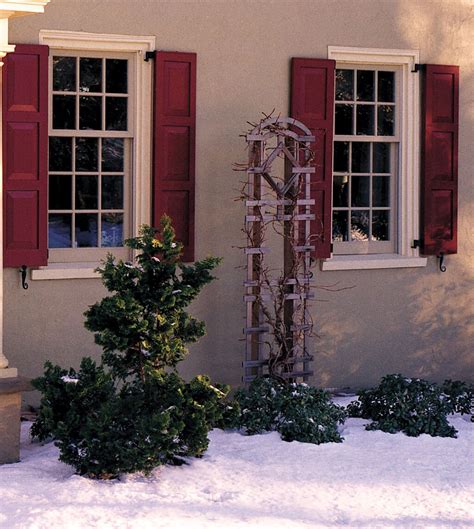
(460, 396)
(298, 411)
(400, 404)
(103, 432)
(131, 413)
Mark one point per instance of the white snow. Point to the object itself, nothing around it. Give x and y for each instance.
(371, 480)
(69, 380)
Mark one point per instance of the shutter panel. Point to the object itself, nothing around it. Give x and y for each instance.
(174, 144)
(439, 183)
(25, 156)
(312, 103)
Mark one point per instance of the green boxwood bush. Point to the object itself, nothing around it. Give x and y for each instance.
(103, 431)
(410, 405)
(297, 411)
(459, 396)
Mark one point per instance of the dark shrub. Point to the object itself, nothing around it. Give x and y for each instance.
(298, 411)
(459, 395)
(400, 404)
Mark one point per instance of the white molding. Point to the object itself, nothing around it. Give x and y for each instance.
(142, 142)
(371, 262)
(80, 40)
(15, 8)
(373, 55)
(409, 157)
(66, 271)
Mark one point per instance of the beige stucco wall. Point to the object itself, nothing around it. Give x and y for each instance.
(415, 321)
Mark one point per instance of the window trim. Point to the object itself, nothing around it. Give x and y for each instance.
(408, 205)
(141, 148)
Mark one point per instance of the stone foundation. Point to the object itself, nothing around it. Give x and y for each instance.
(10, 405)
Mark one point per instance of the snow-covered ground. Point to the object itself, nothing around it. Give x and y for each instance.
(371, 480)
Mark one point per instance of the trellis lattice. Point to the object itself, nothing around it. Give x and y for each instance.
(278, 323)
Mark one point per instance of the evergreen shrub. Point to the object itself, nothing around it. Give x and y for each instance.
(410, 405)
(297, 411)
(133, 412)
(459, 396)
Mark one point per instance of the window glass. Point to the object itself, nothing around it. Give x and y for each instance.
(88, 161)
(364, 163)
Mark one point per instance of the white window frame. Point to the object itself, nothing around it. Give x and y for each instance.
(408, 197)
(141, 147)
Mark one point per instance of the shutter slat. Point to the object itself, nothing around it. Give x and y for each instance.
(312, 102)
(25, 156)
(439, 183)
(174, 144)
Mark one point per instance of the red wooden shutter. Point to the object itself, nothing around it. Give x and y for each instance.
(312, 103)
(175, 144)
(25, 156)
(439, 185)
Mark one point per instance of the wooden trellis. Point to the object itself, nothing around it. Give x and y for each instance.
(284, 204)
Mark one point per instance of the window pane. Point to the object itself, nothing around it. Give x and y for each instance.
(381, 157)
(90, 75)
(112, 192)
(340, 191)
(112, 229)
(112, 154)
(60, 192)
(365, 85)
(380, 226)
(345, 85)
(344, 119)
(64, 112)
(86, 192)
(60, 154)
(90, 113)
(116, 76)
(360, 225)
(64, 74)
(386, 87)
(116, 113)
(386, 120)
(59, 230)
(365, 120)
(86, 154)
(381, 191)
(340, 228)
(360, 157)
(341, 156)
(86, 230)
(360, 191)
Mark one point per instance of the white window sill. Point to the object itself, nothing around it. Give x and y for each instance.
(65, 271)
(371, 262)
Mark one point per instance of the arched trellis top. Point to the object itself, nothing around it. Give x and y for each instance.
(283, 121)
(262, 163)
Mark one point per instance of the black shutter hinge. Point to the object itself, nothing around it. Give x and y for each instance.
(149, 55)
(416, 243)
(332, 248)
(419, 68)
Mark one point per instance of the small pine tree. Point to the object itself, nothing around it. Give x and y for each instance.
(136, 414)
(143, 326)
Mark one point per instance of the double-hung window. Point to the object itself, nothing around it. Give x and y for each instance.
(376, 159)
(365, 160)
(91, 130)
